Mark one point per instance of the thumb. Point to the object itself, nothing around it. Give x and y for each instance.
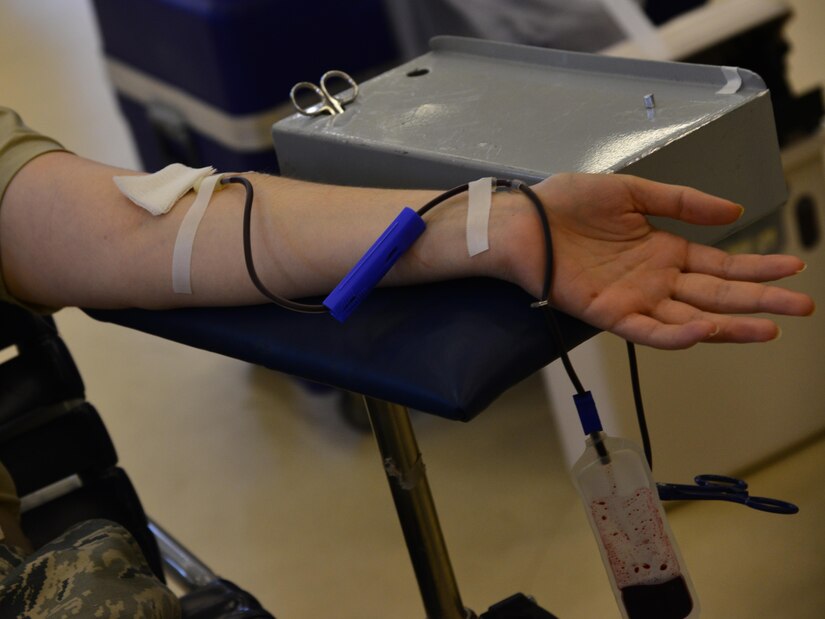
(680, 202)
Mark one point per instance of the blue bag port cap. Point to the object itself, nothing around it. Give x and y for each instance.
(374, 264)
(588, 415)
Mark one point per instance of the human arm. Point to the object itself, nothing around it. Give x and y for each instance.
(68, 237)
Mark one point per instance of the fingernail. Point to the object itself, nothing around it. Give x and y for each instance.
(778, 334)
(712, 333)
(741, 211)
(804, 266)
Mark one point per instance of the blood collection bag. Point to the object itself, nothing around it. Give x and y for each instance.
(643, 563)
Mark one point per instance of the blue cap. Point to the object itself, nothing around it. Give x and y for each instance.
(588, 415)
(374, 264)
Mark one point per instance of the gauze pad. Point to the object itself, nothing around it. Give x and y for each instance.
(158, 192)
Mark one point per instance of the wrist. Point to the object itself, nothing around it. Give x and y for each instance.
(521, 257)
(516, 246)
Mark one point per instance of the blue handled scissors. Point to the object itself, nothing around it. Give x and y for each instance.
(723, 488)
(326, 102)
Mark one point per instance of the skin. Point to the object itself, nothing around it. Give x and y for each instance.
(68, 237)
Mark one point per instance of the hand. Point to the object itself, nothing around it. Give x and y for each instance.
(617, 272)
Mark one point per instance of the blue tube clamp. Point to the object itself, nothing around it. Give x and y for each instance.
(374, 264)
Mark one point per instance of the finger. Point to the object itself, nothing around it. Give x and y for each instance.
(744, 330)
(649, 331)
(743, 267)
(679, 202)
(730, 329)
(712, 294)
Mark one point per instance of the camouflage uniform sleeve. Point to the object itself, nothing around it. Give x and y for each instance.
(95, 569)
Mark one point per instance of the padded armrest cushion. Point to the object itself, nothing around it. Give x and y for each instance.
(449, 348)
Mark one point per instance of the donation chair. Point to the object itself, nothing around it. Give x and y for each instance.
(419, 347)
(65, 467)
(405, 347)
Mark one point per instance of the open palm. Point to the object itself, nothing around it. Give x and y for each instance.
(614, 270)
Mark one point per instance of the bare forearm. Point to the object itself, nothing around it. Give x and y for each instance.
(68, 237)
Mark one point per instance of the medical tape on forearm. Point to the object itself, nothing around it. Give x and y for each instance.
(182, 253)
(159, 192)
(480, 194)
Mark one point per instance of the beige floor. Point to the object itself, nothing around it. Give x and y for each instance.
(284, 498)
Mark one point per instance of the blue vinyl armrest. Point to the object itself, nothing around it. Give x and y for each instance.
(448, 349)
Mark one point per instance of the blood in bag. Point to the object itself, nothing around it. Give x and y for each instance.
(643, 563)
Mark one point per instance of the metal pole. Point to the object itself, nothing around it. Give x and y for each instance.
(416, 510)
(189, 571)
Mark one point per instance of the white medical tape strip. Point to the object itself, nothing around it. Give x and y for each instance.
(733, 81)
(478, 215)
(182, 253)
(158, 192)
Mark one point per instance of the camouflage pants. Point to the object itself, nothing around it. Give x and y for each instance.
(95, 569)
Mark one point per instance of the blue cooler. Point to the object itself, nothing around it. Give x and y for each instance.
(202, 81)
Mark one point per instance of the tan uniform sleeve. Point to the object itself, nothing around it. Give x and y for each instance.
(18, 146)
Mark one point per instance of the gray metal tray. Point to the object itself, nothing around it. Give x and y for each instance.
(473, 108)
